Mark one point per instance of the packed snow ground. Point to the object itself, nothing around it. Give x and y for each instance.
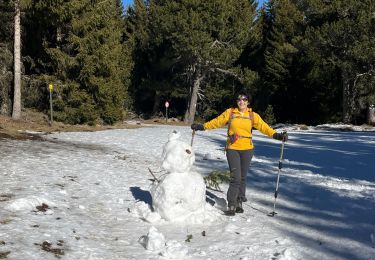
(76, 196)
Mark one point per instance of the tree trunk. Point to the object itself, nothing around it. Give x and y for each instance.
(17, 63)
(347, 104)
(6, 80)
(58, 37)
(192, 105)
(156, 106)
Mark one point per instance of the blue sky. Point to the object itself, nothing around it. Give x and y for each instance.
(130, 2)
(127, 2)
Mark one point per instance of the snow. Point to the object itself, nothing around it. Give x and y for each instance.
(88, 195)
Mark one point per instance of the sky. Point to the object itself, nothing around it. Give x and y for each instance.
(127, 2)
(130, 2)
(91, 195)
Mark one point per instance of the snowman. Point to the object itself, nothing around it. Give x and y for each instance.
(181, 193)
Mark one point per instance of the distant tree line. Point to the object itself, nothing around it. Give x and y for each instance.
(303, 61)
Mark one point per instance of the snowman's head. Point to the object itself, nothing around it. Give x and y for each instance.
(177, 155)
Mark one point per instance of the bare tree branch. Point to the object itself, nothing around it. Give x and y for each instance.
(228, 72)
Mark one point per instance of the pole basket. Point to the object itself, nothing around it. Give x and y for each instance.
(272, 214)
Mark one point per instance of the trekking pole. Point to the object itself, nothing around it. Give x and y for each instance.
(273, 213)
(192, 138)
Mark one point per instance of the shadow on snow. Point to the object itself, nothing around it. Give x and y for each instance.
(141, 195)
(323, 212)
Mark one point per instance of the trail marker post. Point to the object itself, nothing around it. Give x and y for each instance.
(166, 111)
(50, 86)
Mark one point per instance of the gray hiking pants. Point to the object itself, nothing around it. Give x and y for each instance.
(239, 162)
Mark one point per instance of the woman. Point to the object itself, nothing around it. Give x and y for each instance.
(240, 119)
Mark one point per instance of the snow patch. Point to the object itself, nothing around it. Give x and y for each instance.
(143, 211)
(28, 204)
(174, 250)
(154, 240)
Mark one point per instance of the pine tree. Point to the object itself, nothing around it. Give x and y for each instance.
(86, 56)
(6, 56)
(341, 39)
(148, 78)
(197, 42)
(282, 28)
(17, 6)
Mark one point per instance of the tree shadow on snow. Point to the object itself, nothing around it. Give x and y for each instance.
(318, 190)
(320, 202)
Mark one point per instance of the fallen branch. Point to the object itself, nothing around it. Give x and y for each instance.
(153, 175)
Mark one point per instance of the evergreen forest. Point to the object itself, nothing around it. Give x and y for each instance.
(302, 61)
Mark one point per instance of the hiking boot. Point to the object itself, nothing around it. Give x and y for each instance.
(239, 208)
(231, 211)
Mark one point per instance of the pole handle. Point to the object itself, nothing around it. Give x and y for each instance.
(192, 138)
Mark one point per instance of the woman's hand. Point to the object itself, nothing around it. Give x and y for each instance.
(197, 127)
(281, 136)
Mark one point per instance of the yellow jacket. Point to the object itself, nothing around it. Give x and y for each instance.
(240, 125)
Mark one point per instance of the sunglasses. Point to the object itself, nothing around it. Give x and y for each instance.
(243, 99)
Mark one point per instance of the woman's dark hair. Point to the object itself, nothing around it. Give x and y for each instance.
(241, 93)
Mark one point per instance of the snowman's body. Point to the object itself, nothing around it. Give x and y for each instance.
(181, 193)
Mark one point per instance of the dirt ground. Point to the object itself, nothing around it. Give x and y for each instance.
(33, 124)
